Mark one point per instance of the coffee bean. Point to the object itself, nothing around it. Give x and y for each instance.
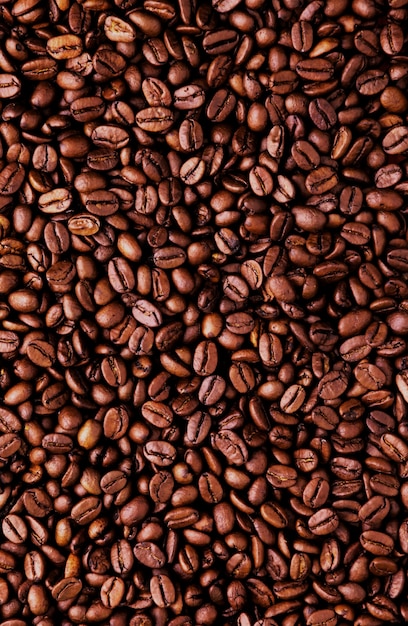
(112, 592)
(315, 69)
(64, 47)
(324, 616)
(322, 114)
(371, 82)
(121, 556)
(221, 41)
(9, 342)
(149, 554)
(11, 178)
(376, 542)
(10, 86)
(155, 119)
(161, 453)
(67, 589)
(324, 522)
(86, 511)
(41, 69)
(302, 36)
(119, 30)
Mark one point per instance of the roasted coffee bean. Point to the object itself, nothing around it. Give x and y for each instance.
(376, 542)
(149, 554)
(9, 341)
(324, 522)
(67, 589)
(10, 86)
(64, 47)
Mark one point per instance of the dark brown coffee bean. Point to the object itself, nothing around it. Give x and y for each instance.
(86, 511)
(64, 47)
(147, 313)
(315, 69)
(321, 180)
(322, 114)
(9, 341)
(112, 592)
(371, 82)
(67, 589)
(116, 419)
(41, 69)
(11, 178)
(377, 543)
(324, 522)
(219, 42)
(121, 556)
(221, 105)
(302, 36)
(149, 554)
(10, 86)
(320, 617)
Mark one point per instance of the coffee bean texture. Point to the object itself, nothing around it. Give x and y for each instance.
(203, 312)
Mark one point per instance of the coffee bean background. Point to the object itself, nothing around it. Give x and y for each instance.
(203, 312)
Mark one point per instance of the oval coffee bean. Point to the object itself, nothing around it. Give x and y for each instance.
(10, 86)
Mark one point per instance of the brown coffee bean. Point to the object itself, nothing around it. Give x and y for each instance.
(119, 30)
(396, 140)
(149, 554)
(376, 542)
(134, 511)
(281, 476)
(147, 314)
(324, 522)
(14, 529)
(394, 447)
(84, 225)
(112, 592)
(86, 511)
(302, 36)
(315, 69)
(332, 385)
(37, 599)
(155, 119)
(231, 446)
(320, 617)
(121, 556)
(11, 178)
(10, 86)
(161, 453)
(41, 69)
(9, 342)
(67, 589)
(371, 82)
(64, 47)
(322, 113)
(37, 502)
(116, 419)
(219, 42)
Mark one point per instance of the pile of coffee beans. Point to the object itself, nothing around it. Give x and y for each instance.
(203, 312)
